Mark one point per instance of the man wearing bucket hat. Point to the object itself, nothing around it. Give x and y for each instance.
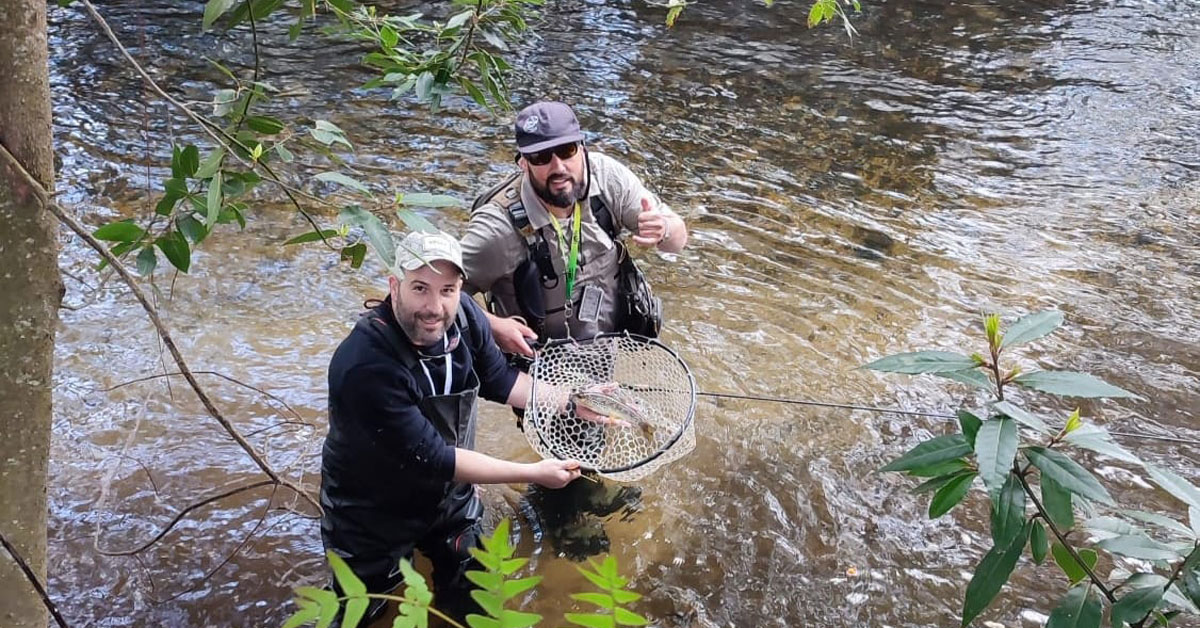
(398, 467)
(545, 245)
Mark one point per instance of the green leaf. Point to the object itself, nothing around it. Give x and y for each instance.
(1189, 579)
(513, 588)
(313, 236)
(345, 576)
(625, 597)
(284, 154)
(938, 482)
(1175, 485)
(595, 578)
(673, 14)
(210, 165)
(1057, 502)
(214, 200)
(950, 494)
(1062, 557)
(599, 599)
(518, 619)
(146, 261)
(424, 86)
(1078, 609)
(489, 602)
(815, 14)
(991, 574)
(355, 253)
(1097, 439)
(1161, 521)
(1020, 415)
(123, 231)
(933, 451)
(425, 199)
(307, 614)
(995, 449)
(1031, 327)
(973, 376)
(970, 426)
(415, 221)
(341, 179)
(922, 362)
(176, 249)
(1038, 543)
(266, 125)
(1068, 474)
(942, 468)
(589, 620)
(459, 19)
(1073, 422)
(1069, 384)
(223, 101)
(486, 579)
(377, 233)
(215, 9)
(1108, 527)
(1135, 605)
(1008, 511)
(629, 618)
(1138, 546)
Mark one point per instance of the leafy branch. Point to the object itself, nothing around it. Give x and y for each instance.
(997, 445)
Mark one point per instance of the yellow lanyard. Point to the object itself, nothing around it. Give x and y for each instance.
(573, 256)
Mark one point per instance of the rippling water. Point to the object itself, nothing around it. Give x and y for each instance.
(847, 199)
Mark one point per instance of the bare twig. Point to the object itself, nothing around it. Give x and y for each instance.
(222, 376)
(183, 513)
(120, 269)
(32, 578)
(237, 550)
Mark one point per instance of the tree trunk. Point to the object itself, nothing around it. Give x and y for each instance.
(29, 296)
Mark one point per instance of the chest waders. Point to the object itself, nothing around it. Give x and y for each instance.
(449, 532)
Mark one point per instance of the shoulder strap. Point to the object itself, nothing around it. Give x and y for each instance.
(604, 218)
(372, 324)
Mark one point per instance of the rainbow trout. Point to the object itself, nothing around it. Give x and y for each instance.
(610, 406)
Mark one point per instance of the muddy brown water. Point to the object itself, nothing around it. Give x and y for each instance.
(846, 199)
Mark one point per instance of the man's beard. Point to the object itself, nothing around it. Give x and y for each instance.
(417, 334)
(566, 198)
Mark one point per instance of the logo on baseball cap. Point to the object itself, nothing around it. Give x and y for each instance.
(419, 248)
(545, 125)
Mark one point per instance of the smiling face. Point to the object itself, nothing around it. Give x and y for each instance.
(559, 181)
(425, 301)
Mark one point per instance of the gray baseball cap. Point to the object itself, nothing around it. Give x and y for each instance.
(425, 247)
(546, 124)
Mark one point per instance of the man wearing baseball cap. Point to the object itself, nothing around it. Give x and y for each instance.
(398, 467)
(546, 246)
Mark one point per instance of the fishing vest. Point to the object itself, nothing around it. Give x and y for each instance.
(638, 310)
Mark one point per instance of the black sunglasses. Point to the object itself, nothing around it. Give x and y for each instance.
(542, 157)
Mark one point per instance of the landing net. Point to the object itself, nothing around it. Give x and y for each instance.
(649, 389)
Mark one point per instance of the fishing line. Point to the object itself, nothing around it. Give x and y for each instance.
(881, 410)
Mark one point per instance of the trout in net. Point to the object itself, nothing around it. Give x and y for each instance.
(607, 404)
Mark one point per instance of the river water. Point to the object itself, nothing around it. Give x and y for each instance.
(846, 198)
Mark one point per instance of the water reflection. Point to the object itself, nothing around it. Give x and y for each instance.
(847, 199)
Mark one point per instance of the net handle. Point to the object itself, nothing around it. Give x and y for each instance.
(683, 426)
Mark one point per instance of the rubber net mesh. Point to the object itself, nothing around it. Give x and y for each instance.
(652, 389)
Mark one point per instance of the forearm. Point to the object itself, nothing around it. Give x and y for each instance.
(518, 397)
(677, 234)
(473, 467)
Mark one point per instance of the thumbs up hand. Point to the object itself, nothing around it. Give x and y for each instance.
(652, 225)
